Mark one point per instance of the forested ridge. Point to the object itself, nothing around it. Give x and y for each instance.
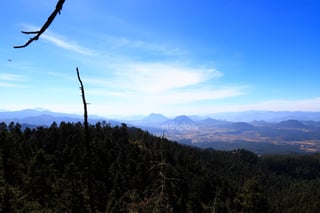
(45, 170)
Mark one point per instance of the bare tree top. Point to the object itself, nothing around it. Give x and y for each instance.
(44, 27)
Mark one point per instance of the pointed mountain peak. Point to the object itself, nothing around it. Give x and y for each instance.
(183, 119)
(155, 117)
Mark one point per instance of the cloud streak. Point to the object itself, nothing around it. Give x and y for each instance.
(158, 48)
(67, 45)
(147, 84)
(8, 80)
(61, 42)
(160, 77)
(161, 85)
(11, 77)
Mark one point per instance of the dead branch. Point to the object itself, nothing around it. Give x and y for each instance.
(44, 27)
(83, 100)
(87, 140)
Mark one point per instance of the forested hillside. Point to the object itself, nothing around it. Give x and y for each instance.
(45, 170)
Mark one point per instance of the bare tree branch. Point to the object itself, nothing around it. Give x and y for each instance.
(44, 27)
(87, 138)
(83, 100)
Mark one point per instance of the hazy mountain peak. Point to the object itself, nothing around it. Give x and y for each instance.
(182, 119)
(155, 117)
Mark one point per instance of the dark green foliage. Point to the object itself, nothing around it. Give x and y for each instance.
(45, 170)
(251, 198)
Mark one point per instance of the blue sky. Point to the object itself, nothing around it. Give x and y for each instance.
(166, 56)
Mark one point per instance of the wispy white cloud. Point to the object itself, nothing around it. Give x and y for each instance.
(119, 81)
(11, 77)
(115, 42)
(11, 85)
(12, 80)
(201, 94)
(168, 103)
(150, 78)
(60, 41)
(154, 85)
(65, 76)
(66, 44)
(152, 47)
(159, 77)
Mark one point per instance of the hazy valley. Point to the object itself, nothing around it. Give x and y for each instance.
(270, 132)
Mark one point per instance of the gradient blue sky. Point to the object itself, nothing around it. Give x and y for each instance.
(167, 56)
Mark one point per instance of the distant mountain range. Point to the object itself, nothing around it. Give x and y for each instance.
(299, 132)
(34, 117)
(258, 131)
(269, 116)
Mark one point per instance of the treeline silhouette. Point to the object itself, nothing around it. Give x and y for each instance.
(45, 170)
